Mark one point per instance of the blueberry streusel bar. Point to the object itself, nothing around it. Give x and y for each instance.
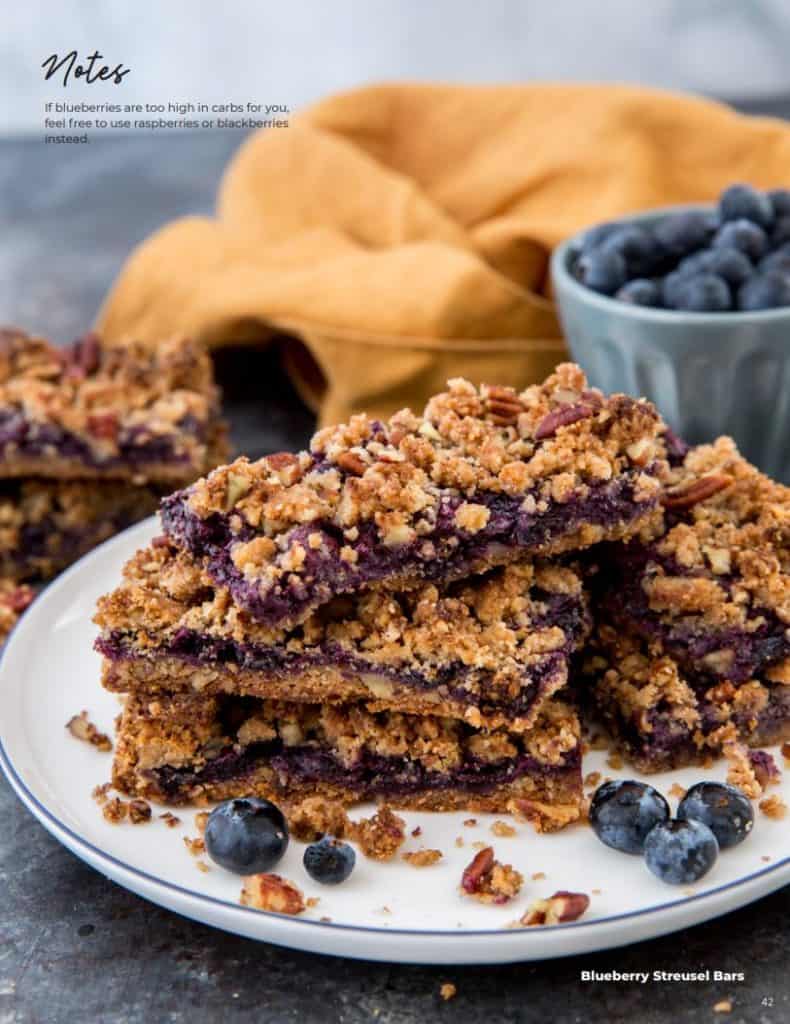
(14, 599)
(714, 589)
(490, 649)
(182, 749)
(136, 412)
(482, 477)
(46, 525)
(665, 716)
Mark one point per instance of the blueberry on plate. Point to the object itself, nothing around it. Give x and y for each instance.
(702, 293)
(724, 809)
(636, 245)
(622, 813)
(682, 233)
(743, 235)
(780, 201)
(743, 201)
(329, 861)
(680, 852)
(602, 270)
(769, 289)
(731, 264)
(640, 292)
(246, 835)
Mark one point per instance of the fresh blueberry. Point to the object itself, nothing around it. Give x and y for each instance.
(702, 293)
(769, 289)
(329, 861)
(673, 283)
(595, 236)
(739, 201)
(781, 231)
(640, 292)
(731, 264)
(680, 852)
(780, 201)
(622, 813)
(602, 270)
(682, 233)
(246, 835)
(724, 809)
(636, 245)
(741, 234)
(779, 259)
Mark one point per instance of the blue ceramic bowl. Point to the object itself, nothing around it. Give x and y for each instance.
(708, 373)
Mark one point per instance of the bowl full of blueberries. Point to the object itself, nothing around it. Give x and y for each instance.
(690, 307)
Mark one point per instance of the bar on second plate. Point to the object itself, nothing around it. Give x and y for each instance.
(130, 411)
(185, 749)
(489, 650)
(484, 477)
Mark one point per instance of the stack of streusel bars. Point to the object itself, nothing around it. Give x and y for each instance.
(390, 614)
(91, 436)
(691, 649)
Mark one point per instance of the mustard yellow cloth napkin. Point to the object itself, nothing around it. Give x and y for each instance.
(402, 232)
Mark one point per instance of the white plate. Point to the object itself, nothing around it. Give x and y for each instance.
(385, 911)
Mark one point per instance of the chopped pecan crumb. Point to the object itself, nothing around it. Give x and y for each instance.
(773, 807)
(139, 811)
(503, 830)
(488, 881)
(99, 793)
(723, 1006)
(201, 820)
(195, 846)
(615, 761)
(273, 893)
(677, 791)
(557, 909)
(447, 990)
(459, 841)
(416, 832)
(692, 493)
(380, 836)
(422, 858)
(740, 771)
(479, 844)
(312, 901)
(115, 810)
(592, 779)
(470, 822)
(81, 728)
(201, 865)
(315, 817)
(538, 876)
(170, 819)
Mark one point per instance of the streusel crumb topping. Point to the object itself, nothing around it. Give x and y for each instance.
(550, 443)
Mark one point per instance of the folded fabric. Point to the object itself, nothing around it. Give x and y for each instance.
(400, 234)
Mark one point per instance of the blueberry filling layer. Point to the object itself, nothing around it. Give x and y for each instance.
(21, 439)
(444, 553)
(371, 776)
(199, 649)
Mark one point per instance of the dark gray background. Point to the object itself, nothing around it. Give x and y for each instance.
(75, 947)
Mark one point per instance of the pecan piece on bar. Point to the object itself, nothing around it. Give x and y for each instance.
(560, 908)
(561, 417)
(351, 463)
(503, 405)
(279, 460)
(689, 494)
(488, 881)
(104, 424)
(273, 893)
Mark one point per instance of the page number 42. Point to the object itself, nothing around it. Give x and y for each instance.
(767, 1001)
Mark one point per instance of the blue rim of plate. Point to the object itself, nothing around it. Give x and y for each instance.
(43, 814)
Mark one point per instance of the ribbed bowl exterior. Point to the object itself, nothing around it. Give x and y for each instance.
(708, 373)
